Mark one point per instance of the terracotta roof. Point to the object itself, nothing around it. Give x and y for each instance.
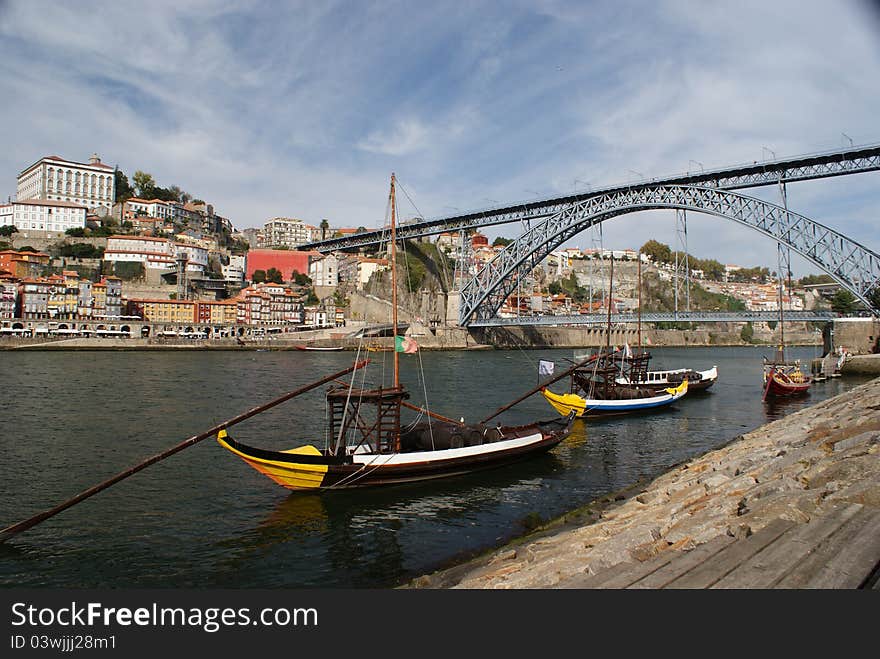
(123, 237)
(49, 202)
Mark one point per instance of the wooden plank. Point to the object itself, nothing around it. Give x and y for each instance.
(768, 567)
(584, 580)
(682, 563)
(725, 561)
(845, 560)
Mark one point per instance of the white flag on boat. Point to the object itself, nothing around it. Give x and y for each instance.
(626, 351)
(545, 368)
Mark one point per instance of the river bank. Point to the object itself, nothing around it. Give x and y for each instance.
(435, 338)
(793, 470)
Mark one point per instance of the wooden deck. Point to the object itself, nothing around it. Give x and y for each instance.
(839, 550)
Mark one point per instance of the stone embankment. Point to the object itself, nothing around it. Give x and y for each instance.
(818, 464)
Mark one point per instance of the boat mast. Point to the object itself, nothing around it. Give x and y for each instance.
(394, 285)
(610, 299)
(640, 301)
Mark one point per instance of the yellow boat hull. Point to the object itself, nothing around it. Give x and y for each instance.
(294, 476)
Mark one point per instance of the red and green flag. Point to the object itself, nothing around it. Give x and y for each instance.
(405, 344)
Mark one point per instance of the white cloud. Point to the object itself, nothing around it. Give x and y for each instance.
(304, 109)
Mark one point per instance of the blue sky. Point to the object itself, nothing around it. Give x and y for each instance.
(303, 109)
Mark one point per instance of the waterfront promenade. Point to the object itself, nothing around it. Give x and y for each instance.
(792, 504)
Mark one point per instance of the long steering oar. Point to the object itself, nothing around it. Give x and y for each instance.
(541, 386)
(15, 529)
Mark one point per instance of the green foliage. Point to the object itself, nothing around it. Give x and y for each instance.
(77, 232)
(5, 245)
(124, 191)
(747, 333)
(28, 248)
(874, 297)
(501, 241)
(746, 275)
(81, 251)
(300, 279)
(129, 271)
(657, 251)
(8, 230)
(844, 302)
(144, 184)
(258, 276)
(312, 298)
(274, 275)
(816, 279)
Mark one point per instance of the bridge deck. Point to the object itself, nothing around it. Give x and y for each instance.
(838, 550)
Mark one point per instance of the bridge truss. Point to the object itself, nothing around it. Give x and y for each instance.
(803, 168)
(657, 317)
(854, 266)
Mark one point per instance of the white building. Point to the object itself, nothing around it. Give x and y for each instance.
(234, 272)
(324, 270)
(154, 253)
(40, 215)
(285, 232)
(149, 207)
(53, 178)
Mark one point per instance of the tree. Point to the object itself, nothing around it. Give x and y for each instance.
(501, 241)
(124, 191)
(258, 276)
(300, 279)
(657, 251)
(324, 226)
(144, 184)
(874, 297)
(274, 275)
(843, 302)
(8, 230)
(747, 333)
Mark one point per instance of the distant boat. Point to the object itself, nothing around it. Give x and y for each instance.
(783, 378)
(320, 348)
(659, 380)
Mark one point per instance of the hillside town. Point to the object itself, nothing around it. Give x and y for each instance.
(82, 251)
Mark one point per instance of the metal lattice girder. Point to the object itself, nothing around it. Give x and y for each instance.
(855, 267)
(656, 317)
(824, 165)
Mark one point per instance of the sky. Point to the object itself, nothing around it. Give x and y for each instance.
(304, 109)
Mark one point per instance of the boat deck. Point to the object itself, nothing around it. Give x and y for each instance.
(839, 550)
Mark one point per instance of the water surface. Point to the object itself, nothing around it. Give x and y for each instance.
(203, 518)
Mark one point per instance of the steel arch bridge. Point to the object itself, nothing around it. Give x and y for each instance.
(854, 266)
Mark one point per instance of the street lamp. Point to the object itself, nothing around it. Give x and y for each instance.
(697, 162)
(764, 148)
(849, 138)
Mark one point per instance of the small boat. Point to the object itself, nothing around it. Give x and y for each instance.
(595, 390)
(368, 443)
(585, 407)
(660, 380)
(781, 381)
(320, 348)
(781, 378)
(784, 378)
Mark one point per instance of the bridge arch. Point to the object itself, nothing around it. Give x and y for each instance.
(854, 266)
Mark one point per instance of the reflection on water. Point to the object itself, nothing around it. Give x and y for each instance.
(204, 519)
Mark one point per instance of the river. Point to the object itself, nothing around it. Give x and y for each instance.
(202, 518)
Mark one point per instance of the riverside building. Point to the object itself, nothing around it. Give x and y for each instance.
(43, 215)
(53, 178)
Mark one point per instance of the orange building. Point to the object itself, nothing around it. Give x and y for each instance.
(23, 264)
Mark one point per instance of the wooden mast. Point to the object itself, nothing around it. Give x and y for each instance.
(394, 285)
(610, 300)
(640, 301)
